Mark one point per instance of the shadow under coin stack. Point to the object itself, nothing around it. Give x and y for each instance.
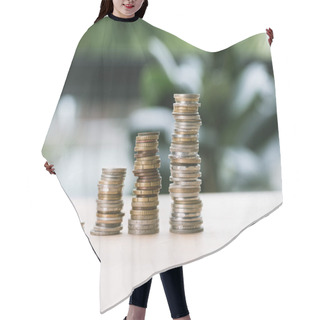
(109, 202)
(185, 166)
(144, 213)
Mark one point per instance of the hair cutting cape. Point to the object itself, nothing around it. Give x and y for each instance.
(121, 81)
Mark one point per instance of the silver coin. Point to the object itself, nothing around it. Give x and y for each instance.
(109, 219)
(187, 126)
(112, 178)
(99, 228)
(189, 183)
(103, 233)
(185, 226)
(184, 231)
(186, 137)
(144, 217)
(144, 222)
(109, 205)
(184, 215)
(143, 227)
(186, 219)
(143, 232)
(185, 222)
(186, 104)
(108, 226)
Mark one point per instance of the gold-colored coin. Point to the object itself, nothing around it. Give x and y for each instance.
(186, 96)
(143, 167)
(145, 199)
(144, 205)
(152, 183)
(147, 144)
(186, 210)
(149, 133)
(178, 161)
(186, 131)
(111, 215)
(146, 162)
(143, 154)
(145, 192)
(193, 201)
(144, 216)
(114, 170)
(108, 223)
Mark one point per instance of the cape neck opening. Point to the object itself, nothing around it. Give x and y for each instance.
(113, 17)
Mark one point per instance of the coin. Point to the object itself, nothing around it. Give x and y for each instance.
(101, 228)
(143, 212)
(145, 199)
(144, 222)
(145, 192)
(149, 133)
(103, 233)
(144, 216)
(185, 162)
(186, 220)
(184, 215)
(110, 215)
(145, 204)
(144, 232)
(196, 201)
(186, 96)
(146, 166)
(184, 231)
(140, 226)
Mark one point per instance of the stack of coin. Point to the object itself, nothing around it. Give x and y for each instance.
(185, 166)
(109, 202)
(144, 213)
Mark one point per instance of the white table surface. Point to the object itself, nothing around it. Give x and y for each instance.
(127, 261)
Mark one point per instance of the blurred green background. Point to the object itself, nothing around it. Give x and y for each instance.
(116, 89)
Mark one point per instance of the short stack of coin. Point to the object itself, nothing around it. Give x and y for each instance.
(109, 202)
(185, 166)
(144, 213)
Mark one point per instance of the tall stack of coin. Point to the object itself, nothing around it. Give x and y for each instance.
(144, 213)
(185, 166)
(109, 202)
